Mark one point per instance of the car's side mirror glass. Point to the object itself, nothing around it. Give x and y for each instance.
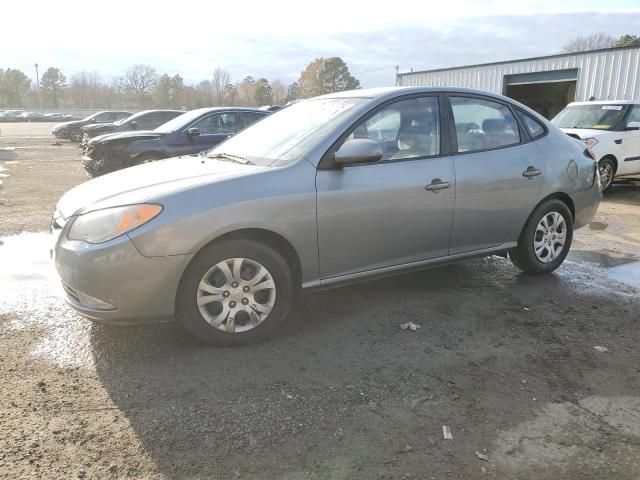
(633, 126)
(193, 132)
(359, 150)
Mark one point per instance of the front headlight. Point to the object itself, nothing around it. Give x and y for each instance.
(104, 225)
(590, 143)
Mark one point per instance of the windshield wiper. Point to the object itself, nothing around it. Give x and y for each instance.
(230, 156)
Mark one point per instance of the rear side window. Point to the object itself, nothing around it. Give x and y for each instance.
(534, 128)
(483, 124)
(247, 118)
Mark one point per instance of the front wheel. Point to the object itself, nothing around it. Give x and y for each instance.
(607, 170)
(546, 239)
(235, 293)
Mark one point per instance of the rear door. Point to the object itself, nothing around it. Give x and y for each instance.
(499, 173)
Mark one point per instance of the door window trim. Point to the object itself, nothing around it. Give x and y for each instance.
(453, 137)
(326, 162)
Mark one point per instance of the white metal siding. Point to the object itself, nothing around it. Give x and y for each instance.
(606, 75)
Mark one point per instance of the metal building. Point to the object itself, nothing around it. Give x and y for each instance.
(546, 84)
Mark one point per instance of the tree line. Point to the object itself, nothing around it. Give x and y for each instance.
(596, 41)
(142, 87)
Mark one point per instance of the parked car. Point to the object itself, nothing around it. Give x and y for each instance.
(72, 130)
(611, 130)
(329, 190)
(190, 133)
(146, 120)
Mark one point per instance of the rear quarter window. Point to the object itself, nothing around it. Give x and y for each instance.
(534, 127)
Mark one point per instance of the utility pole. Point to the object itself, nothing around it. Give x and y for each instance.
(38, 87)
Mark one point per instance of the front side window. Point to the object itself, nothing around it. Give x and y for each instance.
(597, 116)
(218, 123)
(405, 129)
(483, 124)
(633, 120)
(534, 128)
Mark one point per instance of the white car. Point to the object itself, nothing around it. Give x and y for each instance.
(611, 130)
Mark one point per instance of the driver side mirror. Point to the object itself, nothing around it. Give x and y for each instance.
(358, 150)
(134, 125)
(193, 132)
(633, 126)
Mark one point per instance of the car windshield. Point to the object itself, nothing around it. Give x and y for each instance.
(598, 116)
(285, 136)
(180, 121)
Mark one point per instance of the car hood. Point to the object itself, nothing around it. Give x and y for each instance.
(149, 182)
(585, 133)
(69, 124)
(128, 135)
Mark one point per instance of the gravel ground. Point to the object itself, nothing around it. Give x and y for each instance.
(505, 360)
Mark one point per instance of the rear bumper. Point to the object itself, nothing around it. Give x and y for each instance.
(586, 204)
(128, 287)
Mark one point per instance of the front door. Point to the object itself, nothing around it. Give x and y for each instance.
(498, 177)
(629, 141)
(213, 129)
(395, 211)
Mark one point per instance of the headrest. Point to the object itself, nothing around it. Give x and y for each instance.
(494, 126)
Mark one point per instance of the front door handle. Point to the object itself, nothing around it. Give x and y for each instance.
(531, 171)
(618, 141)
(436, 185)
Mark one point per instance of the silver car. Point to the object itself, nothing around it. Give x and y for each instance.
(329, 190)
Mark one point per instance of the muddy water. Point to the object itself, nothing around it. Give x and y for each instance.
(31, 294)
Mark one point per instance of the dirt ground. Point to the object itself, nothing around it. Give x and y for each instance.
(505, 360)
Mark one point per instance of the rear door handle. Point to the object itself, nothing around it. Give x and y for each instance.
(618, 141)
(531, 171)
(436, 185)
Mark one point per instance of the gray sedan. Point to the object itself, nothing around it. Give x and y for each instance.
(329, 190)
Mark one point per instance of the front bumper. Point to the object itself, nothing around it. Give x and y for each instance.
(131, 288)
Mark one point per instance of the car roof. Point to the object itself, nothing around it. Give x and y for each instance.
(607, 102)
(226, 109)
(383, 93)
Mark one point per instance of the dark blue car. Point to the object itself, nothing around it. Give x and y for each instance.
(189, 133)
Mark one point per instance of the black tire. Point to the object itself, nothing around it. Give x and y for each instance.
(607, 164)
(187, 311)
(524, 257)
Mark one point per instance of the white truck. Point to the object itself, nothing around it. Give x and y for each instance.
(611, 131)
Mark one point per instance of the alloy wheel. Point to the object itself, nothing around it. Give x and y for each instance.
(606, 174)
(236, 295)
(550, 237)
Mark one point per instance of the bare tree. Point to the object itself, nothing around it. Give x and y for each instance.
(278, 92)
(594, 41)
(140, 79)
(219, 81)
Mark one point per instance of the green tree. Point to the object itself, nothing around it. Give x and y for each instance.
(326, 75)
(628, 41)
(52, 85)
(293, 92)
(168, 91)
(263, 94)
(14, 86)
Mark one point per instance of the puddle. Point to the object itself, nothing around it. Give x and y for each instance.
(622, 269)
(31, 293)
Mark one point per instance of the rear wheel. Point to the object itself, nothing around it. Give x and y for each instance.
(235, 293)
(546, 239)
(607, 169)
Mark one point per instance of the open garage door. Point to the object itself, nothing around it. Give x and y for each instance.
(545, 92)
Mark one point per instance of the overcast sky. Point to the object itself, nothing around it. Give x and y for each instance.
(278, 39)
